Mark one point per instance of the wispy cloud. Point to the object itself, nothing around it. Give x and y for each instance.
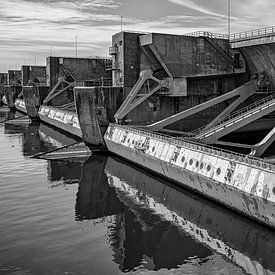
(30, 28)
(192, 5)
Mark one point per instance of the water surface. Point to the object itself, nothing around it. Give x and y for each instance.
(104, 216)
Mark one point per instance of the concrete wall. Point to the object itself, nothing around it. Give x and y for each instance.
(261, 58)
(118, 60)
(208, 74)
(126, 63)
(35, 74)
(189, 56)
(200, 90)
(184, 56)
(3, 78)
(131, 57)
(80, 68)
(14, 77)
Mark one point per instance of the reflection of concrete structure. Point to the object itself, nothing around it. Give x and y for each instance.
(36, 138)
(95, 199)
(164, 213)
(69, 173)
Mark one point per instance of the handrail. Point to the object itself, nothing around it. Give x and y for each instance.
(138, 32)
(252, 33)
(235, 36)
(207, 34)
(202, 147)
(236, 114)
(99, 57)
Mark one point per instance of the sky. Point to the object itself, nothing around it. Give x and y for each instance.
(31, 30)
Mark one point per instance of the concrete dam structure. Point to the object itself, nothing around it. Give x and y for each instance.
(198, 88)
(240, 182)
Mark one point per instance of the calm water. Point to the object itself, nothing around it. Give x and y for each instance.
(104, 216)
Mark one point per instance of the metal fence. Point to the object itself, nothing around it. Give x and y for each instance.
(252, 34)
(207, 34)
(235, 36)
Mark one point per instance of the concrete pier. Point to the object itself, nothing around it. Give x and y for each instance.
(96, 107)
(11, 93)
(33, 98)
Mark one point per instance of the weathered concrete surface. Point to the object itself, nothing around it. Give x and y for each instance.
(96, 107)
(183, 56)
(244, 184)
(20, 105)
(261, 58)
(14, 77)
(79, 68)
(33, 97)
(3, 81)
(11, 93)
(33, 74)
(208, 75)
(64, 120)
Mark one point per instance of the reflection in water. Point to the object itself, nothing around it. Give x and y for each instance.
(67, 171)
(95, 199)
(5, 113)
(149, 225)
(37, 137)
(159, 226)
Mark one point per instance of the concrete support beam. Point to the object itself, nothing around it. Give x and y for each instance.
(160, 60)
(134, 99)
(54, 92)
(186, 113)
(247, 91)
(230, 125)
(261, 147)
(33, 97)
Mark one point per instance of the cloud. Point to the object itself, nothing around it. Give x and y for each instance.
(191, 5)
(33, 27)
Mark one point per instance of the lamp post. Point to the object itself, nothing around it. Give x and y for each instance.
(75, 46)
(228, 16)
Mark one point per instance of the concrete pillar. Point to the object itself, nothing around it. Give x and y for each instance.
(33, 97)
(11, 93)
(96, 107)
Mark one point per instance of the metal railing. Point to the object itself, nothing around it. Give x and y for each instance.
(102, 82)
(207, 34)
(113, 50)
(99, 57)
(235, 36)
(235, 114)
(202, 147)
(252, 34)
(139, 32)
